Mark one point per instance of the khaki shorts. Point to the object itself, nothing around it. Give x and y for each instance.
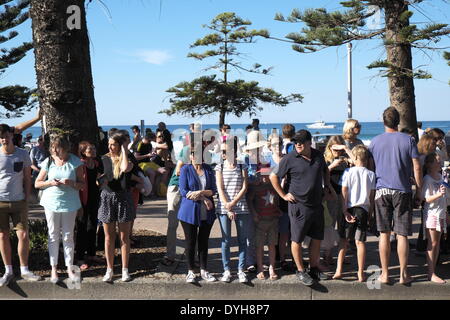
(18, 211)
(266, 230)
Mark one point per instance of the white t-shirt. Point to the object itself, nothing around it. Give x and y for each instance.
(11, 174)
(436, 208)
(360, 181)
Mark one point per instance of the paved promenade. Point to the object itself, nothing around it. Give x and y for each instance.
(169, 283)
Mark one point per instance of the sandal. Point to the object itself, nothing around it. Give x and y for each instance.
(273, 276)
(167, 262)
(261, 275)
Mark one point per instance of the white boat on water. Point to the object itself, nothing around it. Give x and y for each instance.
(320, 125)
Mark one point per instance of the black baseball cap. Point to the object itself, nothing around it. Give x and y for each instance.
(302, 136)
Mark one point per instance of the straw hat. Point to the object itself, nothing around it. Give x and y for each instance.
(255, 140)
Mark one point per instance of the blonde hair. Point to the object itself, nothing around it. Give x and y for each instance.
(361, 153)
(331, 142)
(349, 125)
(425, 145)
(116, 161)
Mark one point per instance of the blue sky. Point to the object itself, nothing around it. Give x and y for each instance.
(139, 50)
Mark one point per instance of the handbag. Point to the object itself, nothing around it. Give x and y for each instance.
(147, 184)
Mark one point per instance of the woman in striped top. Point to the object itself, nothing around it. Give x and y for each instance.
(232, 206)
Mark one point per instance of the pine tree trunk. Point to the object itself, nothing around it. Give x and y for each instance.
(222, 118)
(63, 68)
(401, 83)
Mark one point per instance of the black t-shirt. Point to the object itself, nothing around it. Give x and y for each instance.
(305, 177)
(335, 177)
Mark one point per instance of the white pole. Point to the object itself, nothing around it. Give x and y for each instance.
(349, 80)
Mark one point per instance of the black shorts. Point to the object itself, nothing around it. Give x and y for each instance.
(306, 221)
(356, 230)
(394, 211)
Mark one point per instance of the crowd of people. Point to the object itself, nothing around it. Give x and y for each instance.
(292, 198)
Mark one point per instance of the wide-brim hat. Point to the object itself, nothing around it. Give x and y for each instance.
(255, 140)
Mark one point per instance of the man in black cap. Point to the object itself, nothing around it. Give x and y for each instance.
(306, 173)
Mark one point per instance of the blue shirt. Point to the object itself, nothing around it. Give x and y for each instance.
(61, 198)
(190, 210)
(393, 154)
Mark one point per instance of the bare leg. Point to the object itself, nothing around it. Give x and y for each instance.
(403, 252)
(361, 252)
(5, 248)
(23, 247)
(385, 252)
(110, 238)
(260, 258)
(296, 249)
(124, 229)
(432, 254)
(314, 253)
(272, 258)
(343, 243)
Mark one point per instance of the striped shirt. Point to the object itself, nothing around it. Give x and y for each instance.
(232, 185)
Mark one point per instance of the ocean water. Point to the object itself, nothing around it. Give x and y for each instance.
(368, 129)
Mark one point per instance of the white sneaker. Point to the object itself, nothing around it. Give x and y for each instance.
(108, 276)
(6, 279)
(208, 277)
(190, 277)
(242, 277)
(30, 276)
(226, 276)
(126, 276)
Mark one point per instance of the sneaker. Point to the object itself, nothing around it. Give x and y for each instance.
(126, 277)
(316, 274)
(226, 276)
(108, 276)
(190, 277)
(30, 276)
(6, 279)
(304, 278)
(208, 277)
(242, 277)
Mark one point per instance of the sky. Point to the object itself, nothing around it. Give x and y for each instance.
(139, 49)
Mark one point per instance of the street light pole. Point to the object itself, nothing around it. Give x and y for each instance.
(349, 80)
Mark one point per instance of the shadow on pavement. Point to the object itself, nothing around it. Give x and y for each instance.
(17, 289)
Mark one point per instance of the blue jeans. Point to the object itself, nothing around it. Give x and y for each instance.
(242, 229)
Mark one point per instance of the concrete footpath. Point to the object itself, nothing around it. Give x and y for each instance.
(169, 282)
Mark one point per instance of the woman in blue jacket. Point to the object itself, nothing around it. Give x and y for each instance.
(197, 212)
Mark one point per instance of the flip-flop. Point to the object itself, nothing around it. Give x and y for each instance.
(261, 276)
(273, 276)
